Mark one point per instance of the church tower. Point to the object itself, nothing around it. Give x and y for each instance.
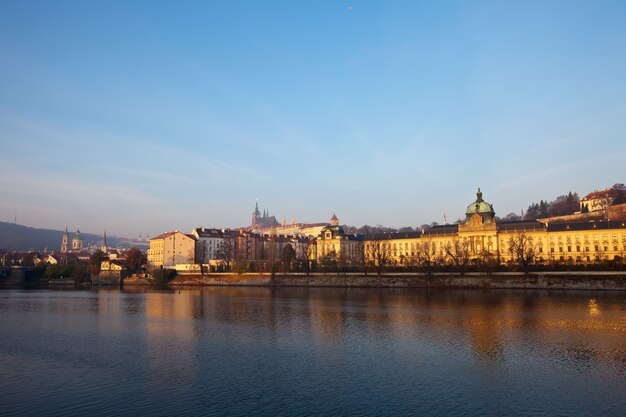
(104, 247)
(256, 214)
(65, 241)
(77, 241)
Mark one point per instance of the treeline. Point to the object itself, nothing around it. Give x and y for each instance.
(567, 204)
(560, 206)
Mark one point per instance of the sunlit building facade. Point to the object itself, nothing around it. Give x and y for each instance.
(482, 237)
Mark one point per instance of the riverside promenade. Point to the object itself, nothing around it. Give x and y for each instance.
(604, 280)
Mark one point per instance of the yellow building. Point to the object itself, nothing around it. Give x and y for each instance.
(333, 244)
(481, 237)
(172, 248)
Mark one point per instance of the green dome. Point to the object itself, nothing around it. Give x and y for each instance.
(77, 236)
(479, 206)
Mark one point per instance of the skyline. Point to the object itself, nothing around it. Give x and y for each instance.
(146, 117)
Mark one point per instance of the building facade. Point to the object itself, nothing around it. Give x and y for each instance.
(481, 237)
(172, 248)
(76, 244)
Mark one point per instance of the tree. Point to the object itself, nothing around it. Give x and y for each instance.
(620, 197)
(224, 251)
(459, 254)
(95, 261)
(201, 255)
(135, 259)
(377, 253)
(564, 205)
(523, 250)
(287, 255)
(330, 261)
(512, 217)
(305, 254)
(426, 255)
(364, 230)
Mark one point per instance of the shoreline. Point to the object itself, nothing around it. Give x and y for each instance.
(607, 281)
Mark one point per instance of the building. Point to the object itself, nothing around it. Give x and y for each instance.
(481, 238)
(262, 220)
(210, 242)
(334, 245)
(75, 245)
(171, 248)
(598, 200)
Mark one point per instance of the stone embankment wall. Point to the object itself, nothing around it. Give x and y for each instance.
(560, 280)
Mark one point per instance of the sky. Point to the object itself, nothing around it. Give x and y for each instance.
(146, 116)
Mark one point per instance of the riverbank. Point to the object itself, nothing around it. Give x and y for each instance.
(612, 281)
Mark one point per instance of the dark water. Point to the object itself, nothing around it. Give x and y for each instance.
(262, 351)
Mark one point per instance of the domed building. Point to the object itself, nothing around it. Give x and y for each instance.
(77, 242)
(479, 230)
(480, 208)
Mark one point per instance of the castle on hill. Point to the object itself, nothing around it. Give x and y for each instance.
(262, 220)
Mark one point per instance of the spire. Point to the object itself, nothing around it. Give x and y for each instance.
(256, 208)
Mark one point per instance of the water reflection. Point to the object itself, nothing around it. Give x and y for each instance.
(231, 346)
(488, 322)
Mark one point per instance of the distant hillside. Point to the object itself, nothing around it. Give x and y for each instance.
(16, 237)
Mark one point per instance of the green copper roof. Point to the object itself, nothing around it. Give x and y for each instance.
(479, 206)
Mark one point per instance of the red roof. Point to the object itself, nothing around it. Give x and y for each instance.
(608, 193)
(168, 234)
(334, 217)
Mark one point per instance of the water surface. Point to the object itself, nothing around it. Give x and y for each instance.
(301, 351)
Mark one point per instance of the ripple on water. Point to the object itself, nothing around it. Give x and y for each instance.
(322, 352)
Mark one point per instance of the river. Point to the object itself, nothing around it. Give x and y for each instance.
(312, 351)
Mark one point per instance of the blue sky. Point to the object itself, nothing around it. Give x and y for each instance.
(148, 116)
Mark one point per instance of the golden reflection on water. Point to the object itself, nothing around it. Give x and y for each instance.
(594, 309)
(487, 322)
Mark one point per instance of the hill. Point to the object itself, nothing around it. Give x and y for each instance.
(16, 237)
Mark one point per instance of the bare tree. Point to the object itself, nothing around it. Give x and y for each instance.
(330, 261)
(459, 253)
(426, 256)
(378, 253)
(201, 255)
(523, 250)
(224, 252)
(306, 249)
(287, 255)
